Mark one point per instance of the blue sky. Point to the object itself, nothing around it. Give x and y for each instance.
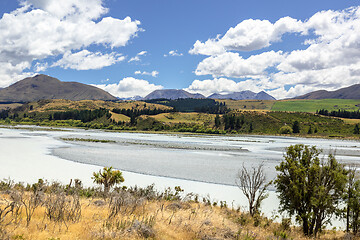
(132, 47)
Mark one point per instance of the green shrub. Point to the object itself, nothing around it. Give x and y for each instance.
(286, 130)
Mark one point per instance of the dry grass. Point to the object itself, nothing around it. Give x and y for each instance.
(350, 121)
(119, 117)
(5, 106)
(177, 117)
(139, 218)
(64, 105)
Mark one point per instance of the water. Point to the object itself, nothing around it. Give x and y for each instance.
(198, 163)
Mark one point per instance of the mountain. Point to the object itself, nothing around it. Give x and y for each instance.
(352, 92)
(172, 94)
(243, 95)
(134, 98)
(46, 87)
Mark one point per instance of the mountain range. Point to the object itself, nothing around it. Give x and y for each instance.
(46, 87)
(172, 94)
(243, 95)
(352, 92)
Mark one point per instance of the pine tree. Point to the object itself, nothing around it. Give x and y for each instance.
(356, 129)
(296, 127)
(217, 121)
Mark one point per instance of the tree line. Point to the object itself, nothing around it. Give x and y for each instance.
(82, 115)
(193, 105)
(340, 113)
(138, 112)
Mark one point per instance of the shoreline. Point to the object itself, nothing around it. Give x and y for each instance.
(68, 128)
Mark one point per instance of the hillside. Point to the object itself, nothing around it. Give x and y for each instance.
(352, 92)
(46, 87)
(171, 94)
(243, 95)
(307, 105)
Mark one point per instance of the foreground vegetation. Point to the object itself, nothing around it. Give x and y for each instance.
(53, 211)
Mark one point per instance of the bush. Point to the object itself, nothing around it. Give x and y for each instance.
(286, 130)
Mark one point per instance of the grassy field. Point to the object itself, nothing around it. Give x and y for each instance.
(192, 118)
(313, 105)
(248, 104)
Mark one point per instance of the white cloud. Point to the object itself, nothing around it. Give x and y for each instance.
(142, 53)
(130, 87)
(91, 9)
(40, 67)
(50, 28)
(153, 73)
(222, 86)
(233, 65)
(86, 60)
(137, 57)
(174, 53)
(248, 35)
(330, 59)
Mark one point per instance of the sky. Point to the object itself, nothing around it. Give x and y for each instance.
(133, 47)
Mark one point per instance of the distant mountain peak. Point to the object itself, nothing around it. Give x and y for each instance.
(45, 87)
(172, 94)
(243, 95)
(351, 92)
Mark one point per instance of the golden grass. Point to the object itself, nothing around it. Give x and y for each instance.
(178, 117)
(119, 117)
(166, 220)
(350, 121)
(9, 106)
(64, 105)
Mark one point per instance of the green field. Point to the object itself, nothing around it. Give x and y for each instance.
(248, 104)
(313, 105)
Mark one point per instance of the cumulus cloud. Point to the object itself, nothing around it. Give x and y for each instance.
(222, 86)
(137, 57)
(86, 60)
(91, 9)
(130, 87)
(174, 53)
(40, 67)
(248, 35)
(41, 29)
(152, 73)
(330, 59)
(233, 65)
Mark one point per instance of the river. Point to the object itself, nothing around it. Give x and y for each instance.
(203, 164)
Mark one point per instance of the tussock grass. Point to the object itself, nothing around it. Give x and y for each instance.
(136, 213)
(65, 105)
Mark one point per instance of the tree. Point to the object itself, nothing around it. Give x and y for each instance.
(253, 185)
(296, 127)
(310, 131)
(217, 121)
(286, 129)
(308, 187)
(352, 200)
(108, 177)
(356, 129)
